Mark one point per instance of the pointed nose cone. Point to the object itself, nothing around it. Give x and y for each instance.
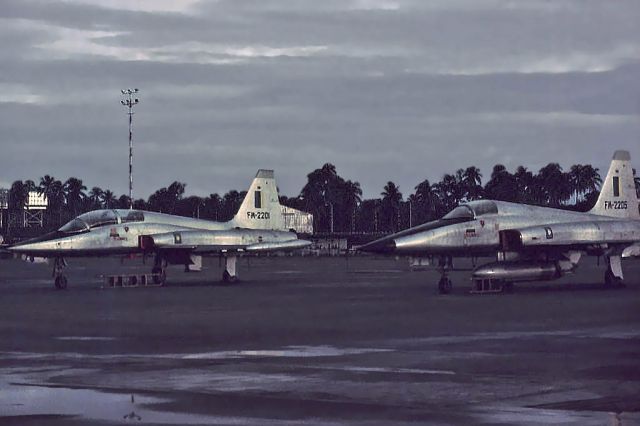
(28, 248)
(384, 245)
(35, 246)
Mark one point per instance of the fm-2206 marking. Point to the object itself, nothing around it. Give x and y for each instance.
(258, 215)
(615, 205)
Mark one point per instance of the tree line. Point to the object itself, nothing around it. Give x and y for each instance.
(337, 204)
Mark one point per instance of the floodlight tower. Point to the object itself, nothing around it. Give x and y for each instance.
(130, 101)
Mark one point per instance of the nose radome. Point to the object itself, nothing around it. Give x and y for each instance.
(413, 242)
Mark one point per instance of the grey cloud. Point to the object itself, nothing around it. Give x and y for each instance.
(401, 94)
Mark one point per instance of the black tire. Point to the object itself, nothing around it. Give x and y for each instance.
(445, 285)
(228, 278)
(61, 282)
(507, 287)
(608, 278)
(159, 275)
(611, 280)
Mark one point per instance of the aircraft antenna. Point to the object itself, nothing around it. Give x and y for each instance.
(129, 101)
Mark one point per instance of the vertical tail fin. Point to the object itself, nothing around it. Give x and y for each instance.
(618, 196)
(261, 209)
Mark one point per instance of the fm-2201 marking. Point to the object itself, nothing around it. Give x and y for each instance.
(615, 205)
(258, 215)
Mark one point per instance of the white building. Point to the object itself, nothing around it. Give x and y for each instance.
(299, 221)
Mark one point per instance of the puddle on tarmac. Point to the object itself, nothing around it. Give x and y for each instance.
(508, 335)
(287, 352)
(392, 370)
(85, 338)
(22, 400)
(535, 416)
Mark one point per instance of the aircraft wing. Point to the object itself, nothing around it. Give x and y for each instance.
(213, 242)
(624, 233)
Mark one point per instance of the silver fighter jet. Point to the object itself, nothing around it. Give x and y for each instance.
(257, 227)
(530, 243)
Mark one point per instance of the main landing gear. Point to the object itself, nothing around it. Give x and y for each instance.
(229, 275)
(613, 275)
(59, 279)
(159, 270)
(445, 263)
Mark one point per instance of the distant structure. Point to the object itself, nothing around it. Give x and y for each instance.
(301, 222)
(130, 100)
(31, 216)
(4, 205)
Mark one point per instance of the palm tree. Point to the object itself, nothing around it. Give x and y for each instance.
(190, 206)
(319, 193)
(231, 203)
(30, 185)
(51, 188)
(73, 190)
(591, 179)
(525, 184)
(584, 179)
(18, 196)
(555, 184)
(108, 199)
(391, 199)
(95, 197)
(472, 183)
(212, 205)
(123, 202)
(351, 199)
(423, 204)
(450, 189)
(502, 185)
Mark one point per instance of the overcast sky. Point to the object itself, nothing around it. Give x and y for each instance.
(398, 90)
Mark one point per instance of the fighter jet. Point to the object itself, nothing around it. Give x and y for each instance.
(257, 227)
(530, 243)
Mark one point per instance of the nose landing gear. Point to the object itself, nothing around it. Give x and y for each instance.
(59, 279)
(445, 285)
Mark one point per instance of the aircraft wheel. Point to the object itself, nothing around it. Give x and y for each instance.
(507, 287)
(228, 278)
(611, 280)
(61, 282)
(445, 285)
(159, 275)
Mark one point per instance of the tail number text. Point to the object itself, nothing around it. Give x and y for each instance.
(258, 215)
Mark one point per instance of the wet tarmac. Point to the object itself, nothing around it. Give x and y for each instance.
(315, 341)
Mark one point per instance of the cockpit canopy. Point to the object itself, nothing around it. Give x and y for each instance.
(93, 219)
(472, 210)
(460, 212)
